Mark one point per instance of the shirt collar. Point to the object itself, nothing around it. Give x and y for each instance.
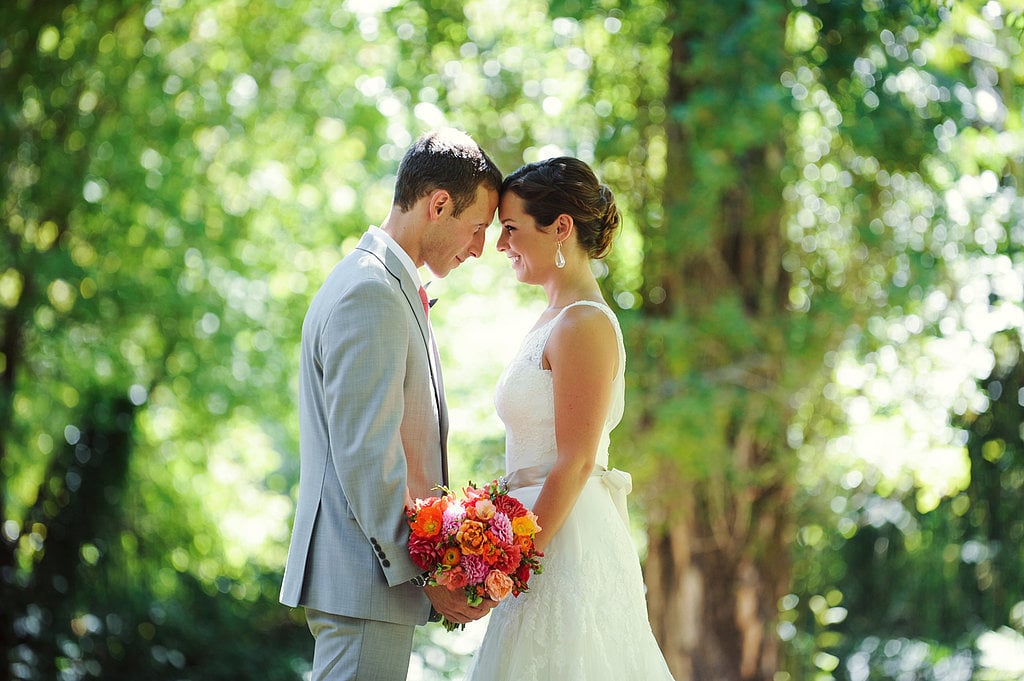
(402, 256)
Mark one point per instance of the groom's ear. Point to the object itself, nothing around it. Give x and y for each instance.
(436, 203)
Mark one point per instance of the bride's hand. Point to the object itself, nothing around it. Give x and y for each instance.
(453, 605)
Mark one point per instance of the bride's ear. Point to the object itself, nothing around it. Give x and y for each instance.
(564, 226)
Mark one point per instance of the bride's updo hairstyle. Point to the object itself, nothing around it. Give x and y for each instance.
(567, 185)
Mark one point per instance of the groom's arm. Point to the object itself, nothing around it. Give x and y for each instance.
(365, 342)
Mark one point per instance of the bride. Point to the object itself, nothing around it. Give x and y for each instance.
(585, 617)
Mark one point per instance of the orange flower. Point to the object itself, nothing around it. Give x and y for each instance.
(451, 556)
(524, 542)
(471, 537)
(492, 552)
(428, 521)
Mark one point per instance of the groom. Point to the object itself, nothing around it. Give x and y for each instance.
(373, 422)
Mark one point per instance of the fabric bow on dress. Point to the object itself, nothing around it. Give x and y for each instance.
(619, 484)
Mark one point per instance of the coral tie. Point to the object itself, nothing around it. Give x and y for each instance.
(423, 299)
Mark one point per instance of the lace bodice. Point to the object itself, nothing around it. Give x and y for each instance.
(524, 399)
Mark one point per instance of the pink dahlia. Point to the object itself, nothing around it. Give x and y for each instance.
(501, 528)
(452, 519)
(475, 567)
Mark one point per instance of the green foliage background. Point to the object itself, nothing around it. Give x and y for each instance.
(178, 178)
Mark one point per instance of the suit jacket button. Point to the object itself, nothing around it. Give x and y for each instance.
(386, 563)
(373, 540)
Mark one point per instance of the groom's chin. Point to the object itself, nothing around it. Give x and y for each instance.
(441, 271)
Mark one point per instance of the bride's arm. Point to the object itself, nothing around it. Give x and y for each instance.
(582, 353)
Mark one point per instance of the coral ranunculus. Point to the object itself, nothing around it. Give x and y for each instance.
(484, 509)
(498, 584)
(453, 579)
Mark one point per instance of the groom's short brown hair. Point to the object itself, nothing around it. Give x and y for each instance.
(446, 159)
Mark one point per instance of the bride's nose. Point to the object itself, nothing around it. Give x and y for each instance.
(502, 240)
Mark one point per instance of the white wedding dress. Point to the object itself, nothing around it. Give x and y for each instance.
(584, 617)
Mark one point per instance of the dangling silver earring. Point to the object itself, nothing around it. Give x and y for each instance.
(559, 258)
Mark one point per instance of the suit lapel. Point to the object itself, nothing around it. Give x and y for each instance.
(396, 269)
(442, 411)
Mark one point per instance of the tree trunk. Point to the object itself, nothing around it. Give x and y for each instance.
(716, 297)
(714, 590)
(78, 503)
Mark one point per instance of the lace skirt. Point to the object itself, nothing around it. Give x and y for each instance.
(585, 616)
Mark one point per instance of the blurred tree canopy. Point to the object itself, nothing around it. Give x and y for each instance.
(820, 278)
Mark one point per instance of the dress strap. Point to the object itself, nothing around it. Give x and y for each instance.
(587, 303)
(537, 339)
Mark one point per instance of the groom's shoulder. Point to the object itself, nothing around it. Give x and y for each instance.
(359, 265)
(357, 277)
(345, 301)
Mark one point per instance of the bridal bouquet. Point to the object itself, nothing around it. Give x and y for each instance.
(482, 543)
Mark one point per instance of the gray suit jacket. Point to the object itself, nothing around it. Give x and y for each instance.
(371, 425)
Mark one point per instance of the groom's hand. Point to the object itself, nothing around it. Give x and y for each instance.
(453, 605)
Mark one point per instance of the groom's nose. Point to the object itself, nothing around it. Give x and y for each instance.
(476, 246)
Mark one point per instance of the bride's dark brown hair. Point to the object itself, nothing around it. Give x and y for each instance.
(567, 185)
